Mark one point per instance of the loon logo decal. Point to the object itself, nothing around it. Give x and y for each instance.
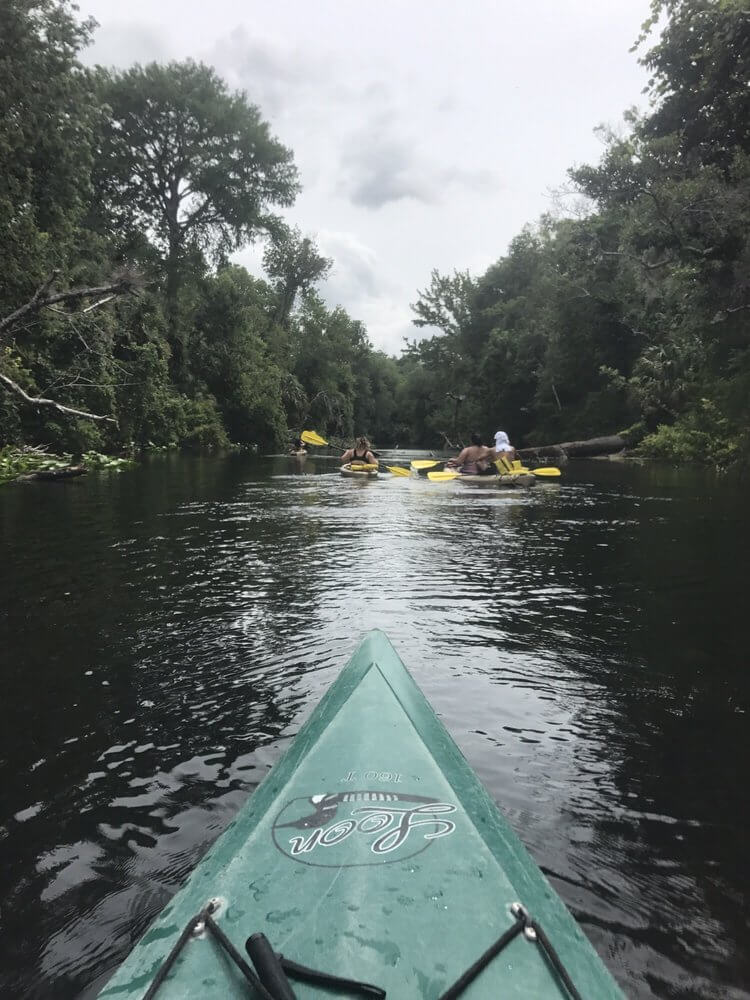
(349, 829)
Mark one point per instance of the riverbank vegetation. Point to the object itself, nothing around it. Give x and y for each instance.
(124, 321)
(32, 462)
(633, 309)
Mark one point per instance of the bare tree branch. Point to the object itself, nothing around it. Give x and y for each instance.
(12, 386)
(723, 314)
(644, 264)
(101, 302)
(40, 300)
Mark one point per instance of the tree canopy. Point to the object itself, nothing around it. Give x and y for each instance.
(123, 196)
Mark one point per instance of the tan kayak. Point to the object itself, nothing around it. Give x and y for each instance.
(478, 480)
(522, 480)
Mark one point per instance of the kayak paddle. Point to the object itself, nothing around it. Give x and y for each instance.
(424, 463)
(310, 437)
(516, 469)
(504, 466)
(444, 477)
(398, 470)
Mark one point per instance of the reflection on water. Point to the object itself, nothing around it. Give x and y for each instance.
(165, 631)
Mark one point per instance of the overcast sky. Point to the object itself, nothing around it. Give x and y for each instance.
(426, 132)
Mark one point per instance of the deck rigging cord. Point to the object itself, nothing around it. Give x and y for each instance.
(532, 930)
(271, 982)
(271, 967)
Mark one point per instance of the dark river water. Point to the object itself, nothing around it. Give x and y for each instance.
(165, 630)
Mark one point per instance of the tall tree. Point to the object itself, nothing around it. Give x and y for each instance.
(700, 67)
(232, 360)
(445, 303)
(191, 162)
(294, 265)
(47, 119)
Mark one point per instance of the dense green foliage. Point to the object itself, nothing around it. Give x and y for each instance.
(631, 313)
(158, 172)
(637, 311)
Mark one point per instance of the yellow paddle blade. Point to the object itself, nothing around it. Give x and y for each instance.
(362, 467)
(442, 477)
(398, 470)
(424, 463)
(310, 437)
(505, 468)
(550, 471)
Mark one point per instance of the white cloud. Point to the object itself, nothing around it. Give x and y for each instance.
(380, 167)
(120, 43)
(355, 267)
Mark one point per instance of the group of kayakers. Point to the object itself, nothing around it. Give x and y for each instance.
(477, 459)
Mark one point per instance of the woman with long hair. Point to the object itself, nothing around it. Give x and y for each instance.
(360, 453)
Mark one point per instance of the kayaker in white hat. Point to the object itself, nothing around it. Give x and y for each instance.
(503, 447)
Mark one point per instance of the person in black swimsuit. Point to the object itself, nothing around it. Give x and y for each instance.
(360, 453)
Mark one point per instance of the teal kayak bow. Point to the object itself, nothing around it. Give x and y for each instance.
(372, 858)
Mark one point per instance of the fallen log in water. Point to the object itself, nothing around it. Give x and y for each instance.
(576, 449)
(54, 474)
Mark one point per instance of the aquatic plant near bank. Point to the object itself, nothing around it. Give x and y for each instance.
(20, 463)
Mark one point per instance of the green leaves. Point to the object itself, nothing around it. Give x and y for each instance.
(445, 303)
(46, 134)
(636, 310)
(165, 167)
(187, 159)
(700, 68)
(294, 264)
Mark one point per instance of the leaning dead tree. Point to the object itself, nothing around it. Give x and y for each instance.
(46, 298)
(577, 449)
(449, 445)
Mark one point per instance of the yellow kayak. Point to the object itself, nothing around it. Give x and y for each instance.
(356, 470)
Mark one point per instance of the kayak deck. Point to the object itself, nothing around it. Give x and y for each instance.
(370, 851)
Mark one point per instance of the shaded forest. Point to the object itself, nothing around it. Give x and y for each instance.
(125, 323)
